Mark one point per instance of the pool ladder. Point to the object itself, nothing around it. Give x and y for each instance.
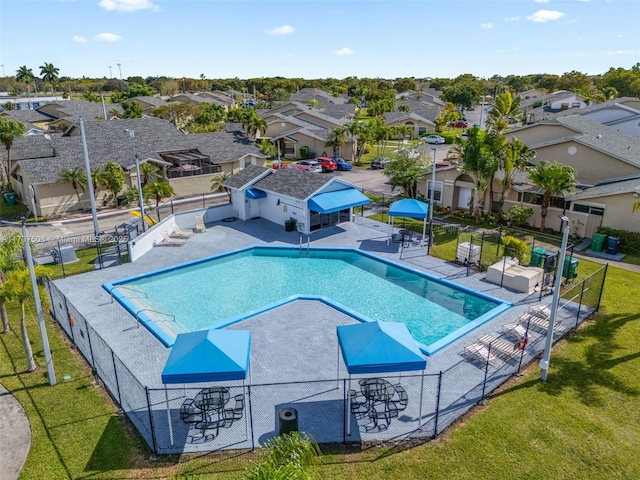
(173, 317)
(302, 244)
(124, 287)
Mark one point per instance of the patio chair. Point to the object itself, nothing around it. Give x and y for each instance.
(500, 347)
(235, 413)
(199, 226)
(189, 413)
(171, 242)
(397, 406)
(480, 353)
(359, 403)
(177, 233)
(376, 415)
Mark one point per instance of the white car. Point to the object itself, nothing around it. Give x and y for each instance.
(309, 166)
(437, 139)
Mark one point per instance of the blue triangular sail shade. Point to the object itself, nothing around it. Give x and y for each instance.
(208, 356)
(409, 207)
(379, 347)
(335, 201)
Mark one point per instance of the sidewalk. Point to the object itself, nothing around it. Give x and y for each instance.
(15, 435)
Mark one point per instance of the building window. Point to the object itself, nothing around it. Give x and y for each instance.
(437, 191)
(422, 131)
(289, 148)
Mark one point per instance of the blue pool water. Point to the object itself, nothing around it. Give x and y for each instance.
(220, 290)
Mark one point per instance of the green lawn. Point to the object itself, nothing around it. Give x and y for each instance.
(581, 424)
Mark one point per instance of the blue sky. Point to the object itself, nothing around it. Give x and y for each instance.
(318, 39)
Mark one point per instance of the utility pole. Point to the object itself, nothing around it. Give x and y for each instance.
(120, 70)
(110, 74)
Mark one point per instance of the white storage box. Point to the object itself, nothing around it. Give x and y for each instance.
(468, 253)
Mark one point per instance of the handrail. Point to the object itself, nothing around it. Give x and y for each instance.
(113, 287)
(151, 310)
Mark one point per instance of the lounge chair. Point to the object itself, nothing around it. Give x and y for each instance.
(540, 324)
(199, 226)
(170, 242)
(480, 353)
(514, 330)
(177, 233)
(500, 347)
(541, 310)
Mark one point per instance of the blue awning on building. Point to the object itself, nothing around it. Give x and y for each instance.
(336, 201)
(254, 193)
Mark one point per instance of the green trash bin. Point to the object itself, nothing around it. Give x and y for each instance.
(10, 198)
(570, 266)
(537, 257)
(597, 242)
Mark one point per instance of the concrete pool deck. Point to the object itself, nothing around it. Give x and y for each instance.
(293, 343)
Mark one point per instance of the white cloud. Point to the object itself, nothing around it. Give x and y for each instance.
(344, 51)
(79, 39)
(512, 19)
(107, 37)
(128, 5)
(541, 1)
(621, 52)
(486, 26)
(543, 16)
(283, 30)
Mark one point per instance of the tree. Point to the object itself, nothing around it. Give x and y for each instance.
(336, 138)
(217, 184)
(157, 191)
(253, 123)
(11, 245)
(556, 179)
(267, 147)
(78, 179)
(49, 74)
(169, 87)
(353, 130)
(149, 173)
(405, 171)
(9, 131)
(503, 111)
(517, 157)
(18, 286)
(25, 75)
(131, 109)
(113, 179)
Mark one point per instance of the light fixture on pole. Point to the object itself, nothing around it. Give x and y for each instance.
(431, 200)
(110, 74)
(132, 135)
(36, 296)
(544, 363)
(120, 70)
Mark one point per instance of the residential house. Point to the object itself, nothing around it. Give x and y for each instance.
(623, 114)
(187, 162)
(306, 201)
(426, 97)
(420, 123)
(149, 104)
(317, 96)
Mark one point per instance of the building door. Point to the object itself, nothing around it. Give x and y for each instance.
(593, 222)
(464, 197)
(254, 208)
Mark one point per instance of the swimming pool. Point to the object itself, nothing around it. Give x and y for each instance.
(224, 289)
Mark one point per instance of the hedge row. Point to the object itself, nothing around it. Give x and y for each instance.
(629, 241)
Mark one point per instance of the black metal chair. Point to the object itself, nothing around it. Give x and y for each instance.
(397, 406)
(189, 413)
(359, 403)
(235, 413)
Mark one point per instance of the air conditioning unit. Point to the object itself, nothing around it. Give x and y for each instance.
(300, 227)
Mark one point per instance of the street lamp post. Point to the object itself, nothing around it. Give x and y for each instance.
(544, 363)
(120, 70)
(92, 196)
(132, 135)
(431, 200)
(110, 74)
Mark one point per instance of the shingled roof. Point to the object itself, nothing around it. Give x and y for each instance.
(245, 176)
(293, 183)
(107, 141)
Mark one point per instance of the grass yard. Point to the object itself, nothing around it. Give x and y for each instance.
(581, 424)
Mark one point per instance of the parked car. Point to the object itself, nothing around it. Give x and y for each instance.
(308, 166)
(379, 163)
(437, 139)
(459, 124)
(343, 164)
(328, 164)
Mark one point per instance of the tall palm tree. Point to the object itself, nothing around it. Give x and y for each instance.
(158, 191)
(11, 245)
(556, 179)
(504, 109)
(149, 173)
(517, 157)
(336, 138)
(253, 123)
(217, 184)
(49, 74)
(354, 129)
(9, 131)
(25, 75)
(78, 179)
(18, 287)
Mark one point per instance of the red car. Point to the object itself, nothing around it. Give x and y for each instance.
(328, 164)
(459, 124)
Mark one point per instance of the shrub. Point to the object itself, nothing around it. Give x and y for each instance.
(515, 247)
(629, 241)
(519, 215)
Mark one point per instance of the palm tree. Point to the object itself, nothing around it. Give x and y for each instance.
(354, 129)
(517, 157)
(336, 138)
(9, 131)
(11, 245)
(18, 287)
(49, 74)
(25, 75)
(217, 184)
(158, 191)
(556, 179)
(504, 108)
(78, 179)
(253, 123)
(149, 173)
(97, 177)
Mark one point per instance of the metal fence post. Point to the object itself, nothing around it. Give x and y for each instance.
(253, 442)
(499, 241)
(486, 372)
(64, 275)
(580, 303)
(153, 432)
(604, 277)
(93, 362)
(66, 307)
(344, 408)
(437, 412)
(115, 371)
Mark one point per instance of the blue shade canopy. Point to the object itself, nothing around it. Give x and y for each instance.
(335, 201)
(379, 347)
(254, 193)
(208, 356)
(409, 207)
